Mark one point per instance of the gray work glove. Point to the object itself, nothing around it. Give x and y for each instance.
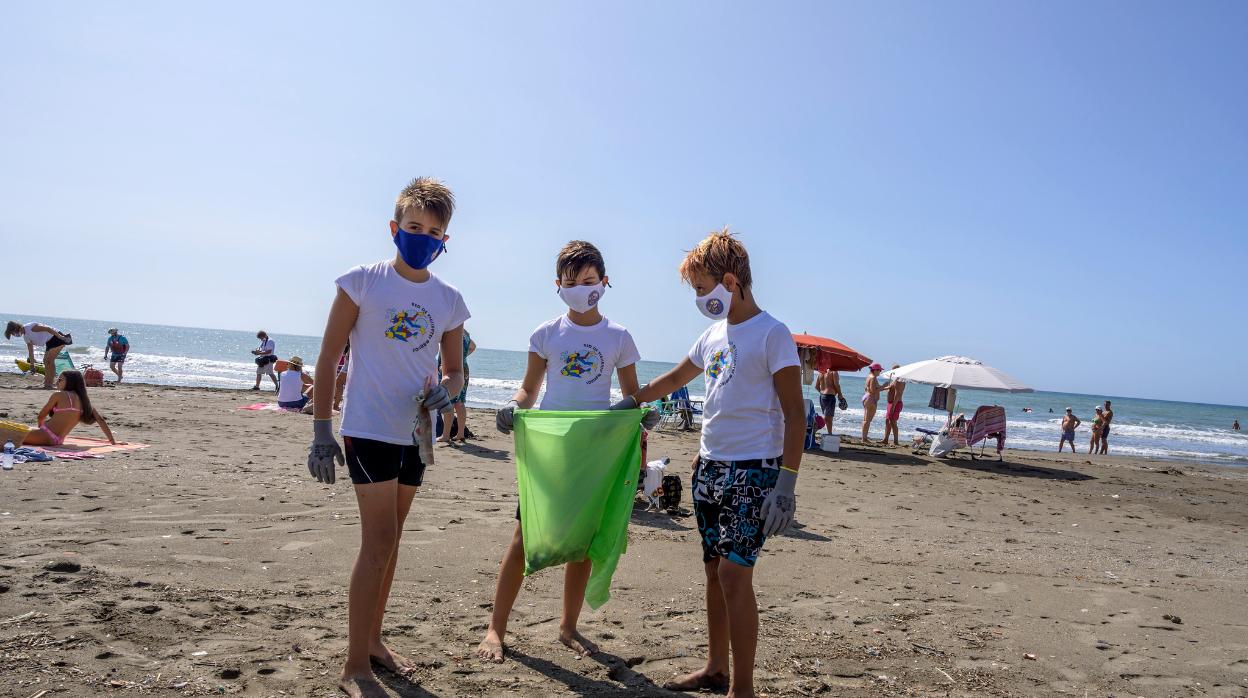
(437, 399)
(649, 420)
(324, 452)
(505, 418)
(780, 505)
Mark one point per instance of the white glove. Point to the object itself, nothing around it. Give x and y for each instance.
(437, 399)
(324, 451)
(505, 418)
(780, 505)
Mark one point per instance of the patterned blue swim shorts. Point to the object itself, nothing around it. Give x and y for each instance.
(727, 499)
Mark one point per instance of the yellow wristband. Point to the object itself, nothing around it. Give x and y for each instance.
(788, 469)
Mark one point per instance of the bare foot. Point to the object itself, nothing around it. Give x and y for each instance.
(577, 642)
(491, 648)
(390, 659)
(361, 687)
(698, 681)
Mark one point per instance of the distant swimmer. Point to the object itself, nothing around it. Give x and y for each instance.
(1235, 426)
(1069, 424)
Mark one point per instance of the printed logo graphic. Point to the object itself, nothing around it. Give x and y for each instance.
(583, 364)
(593, 298)
(412, 326)
(714, 306)
(722, 364)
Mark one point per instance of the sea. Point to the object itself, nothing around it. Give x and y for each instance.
(188, 356)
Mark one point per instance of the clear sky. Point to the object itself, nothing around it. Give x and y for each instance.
(1059, 189)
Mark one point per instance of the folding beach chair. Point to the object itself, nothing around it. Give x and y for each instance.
(679, 410)
(950, 438)
(988, 423)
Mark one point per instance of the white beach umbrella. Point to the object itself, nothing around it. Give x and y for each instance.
(958, 372)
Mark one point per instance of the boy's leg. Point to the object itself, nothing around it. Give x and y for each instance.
(714, 675)
(378, 539)
(737, 582)
(461, 416)
(510, 579)
(575, 579)
(377, 648)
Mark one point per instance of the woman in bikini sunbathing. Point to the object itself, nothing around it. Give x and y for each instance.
(67, 407)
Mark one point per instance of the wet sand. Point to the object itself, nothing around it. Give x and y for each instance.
(211, 563)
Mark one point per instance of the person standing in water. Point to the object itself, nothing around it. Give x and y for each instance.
(1069, 424)
(1109, 417)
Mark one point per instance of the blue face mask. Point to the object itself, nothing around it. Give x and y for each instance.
(417, 250)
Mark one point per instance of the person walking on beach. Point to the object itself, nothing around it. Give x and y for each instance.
(1109, 417)
(51, 339)
(871, 401)
(892, 415)
(115, 349)
(1097, 425)
(399, 317)
(266, 356)
(828, 384)
(575, 354)
(1069, 424)
(745, 475)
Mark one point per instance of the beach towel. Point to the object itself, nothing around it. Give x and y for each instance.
(940, 398)
(989, 421)
(271, 407)
(577, 473)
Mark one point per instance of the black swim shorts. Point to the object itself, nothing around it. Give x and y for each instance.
(371, 461)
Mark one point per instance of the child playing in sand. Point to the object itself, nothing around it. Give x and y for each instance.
(575, 354)
(398, 317)
(753, 428)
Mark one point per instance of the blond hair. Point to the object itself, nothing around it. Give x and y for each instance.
(426, 194)
(720, 253)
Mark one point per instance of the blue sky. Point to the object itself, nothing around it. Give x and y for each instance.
(1059, 189)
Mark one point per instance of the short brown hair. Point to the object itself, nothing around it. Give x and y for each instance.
(11, 329)
(576, 256)
(720, 253)
(426, 194)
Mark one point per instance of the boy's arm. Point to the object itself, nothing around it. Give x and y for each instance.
(452, 360)
(534, 374)
(788, 385)
(342, 316)
(669, 382)
(627, 376)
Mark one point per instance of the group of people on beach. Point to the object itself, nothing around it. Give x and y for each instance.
(406, 328)
(831, 396)
(1099, 443)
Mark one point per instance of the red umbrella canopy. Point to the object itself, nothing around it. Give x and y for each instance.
(842, 357)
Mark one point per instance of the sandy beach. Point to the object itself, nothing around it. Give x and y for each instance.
(211, 563)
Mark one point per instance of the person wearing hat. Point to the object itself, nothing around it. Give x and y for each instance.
(293, 390)
(1097, 425)
(1069, 424)
(870, 400)
(115, 349)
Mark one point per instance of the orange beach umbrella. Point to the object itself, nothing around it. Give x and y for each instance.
(843, 358)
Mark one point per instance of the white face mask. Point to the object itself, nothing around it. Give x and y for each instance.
(582, 298)
(715, 304)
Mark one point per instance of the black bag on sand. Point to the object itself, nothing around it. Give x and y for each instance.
(672, 487)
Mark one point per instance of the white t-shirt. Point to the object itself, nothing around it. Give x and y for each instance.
(394, 348)
(741, 419)
(268, 346)
(290, 387)
(580, 361)
(36, 338)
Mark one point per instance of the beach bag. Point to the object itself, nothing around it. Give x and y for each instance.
(577, 477)
(93, 377)
(672, 487)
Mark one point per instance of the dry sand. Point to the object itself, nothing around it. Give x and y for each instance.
(211, 563)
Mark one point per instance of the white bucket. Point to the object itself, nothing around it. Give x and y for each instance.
(830, 443)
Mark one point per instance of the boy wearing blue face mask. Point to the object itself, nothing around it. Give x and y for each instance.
(575, 355)
(398, 317)
(753, 431)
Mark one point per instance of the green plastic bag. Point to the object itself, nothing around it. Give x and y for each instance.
(578, 476)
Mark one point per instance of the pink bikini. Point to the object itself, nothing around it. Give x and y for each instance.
(58, 440)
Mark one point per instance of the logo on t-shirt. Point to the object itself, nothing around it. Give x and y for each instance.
(584, 364)
(414, 326)
(722, 364)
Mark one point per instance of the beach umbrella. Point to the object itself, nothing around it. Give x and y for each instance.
(843, 358)
(958, 372)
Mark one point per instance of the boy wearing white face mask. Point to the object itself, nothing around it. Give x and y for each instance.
(753, 431)
(575, 355)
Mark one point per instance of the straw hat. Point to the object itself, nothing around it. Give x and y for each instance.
(296, 362)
